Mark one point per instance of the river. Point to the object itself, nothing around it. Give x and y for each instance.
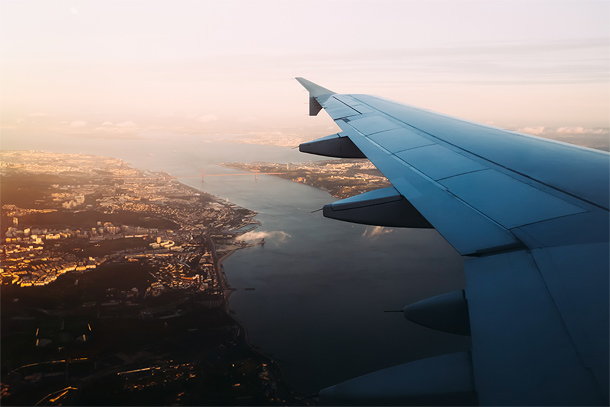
(320, 285)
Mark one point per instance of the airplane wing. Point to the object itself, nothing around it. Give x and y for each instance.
(530, 218)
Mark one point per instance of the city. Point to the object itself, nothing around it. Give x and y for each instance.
(94, 249)
(106, 272)
(108, 190)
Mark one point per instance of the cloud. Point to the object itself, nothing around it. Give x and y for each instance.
(276, 236)
(78, 123)
(592, 137)
(376, 231)
(541, 130)
(581, 130)
(126, 124)
(109, 129)
(206, 118)
(532, 130)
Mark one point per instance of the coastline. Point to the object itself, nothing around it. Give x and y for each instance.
(287, 390)
(243, 333)
(227, 340)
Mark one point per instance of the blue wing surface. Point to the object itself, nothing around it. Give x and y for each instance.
(529, 216)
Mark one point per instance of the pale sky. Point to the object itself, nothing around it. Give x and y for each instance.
(127, 68)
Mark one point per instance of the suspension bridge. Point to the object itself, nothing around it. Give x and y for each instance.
(256, 173)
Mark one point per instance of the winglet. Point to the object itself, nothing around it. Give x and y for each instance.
(314, 89)
(317, 95)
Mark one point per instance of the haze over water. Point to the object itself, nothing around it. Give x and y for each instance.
(321, 286)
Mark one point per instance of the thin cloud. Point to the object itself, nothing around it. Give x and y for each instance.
(126, 124)
(78, 123)
(537, 130)
(276, 236)
(541, 130)
(592, 137)
(108, 129)
(206, 118)
(581, 130)
(376, 231)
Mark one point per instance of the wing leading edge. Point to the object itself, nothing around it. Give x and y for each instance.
(530, 217)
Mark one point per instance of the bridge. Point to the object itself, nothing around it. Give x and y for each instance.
(169, 177)
(256, 173)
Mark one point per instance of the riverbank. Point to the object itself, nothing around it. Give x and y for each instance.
(289, 394)
(285, 393)
(142, 316)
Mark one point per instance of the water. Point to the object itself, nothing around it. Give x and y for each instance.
(321, 286)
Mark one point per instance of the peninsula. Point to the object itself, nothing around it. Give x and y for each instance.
(341, 178)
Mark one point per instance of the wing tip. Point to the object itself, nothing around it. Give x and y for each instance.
(314, 89)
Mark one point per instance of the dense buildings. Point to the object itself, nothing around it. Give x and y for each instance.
(112, 289)
(102, 206)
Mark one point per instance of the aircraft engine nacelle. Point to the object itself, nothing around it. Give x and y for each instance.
(446, 312)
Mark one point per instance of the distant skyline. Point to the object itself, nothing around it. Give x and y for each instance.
(131, 69)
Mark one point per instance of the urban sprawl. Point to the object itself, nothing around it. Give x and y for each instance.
(181, 248)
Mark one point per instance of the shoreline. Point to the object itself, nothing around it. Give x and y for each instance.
(243, 335)
(243, 329)
(229, 221)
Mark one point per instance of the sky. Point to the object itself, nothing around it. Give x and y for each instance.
(128, 69)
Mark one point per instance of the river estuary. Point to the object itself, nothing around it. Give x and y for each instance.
(318, 288)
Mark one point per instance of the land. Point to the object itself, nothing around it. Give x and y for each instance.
(340, 178)
(113, 291)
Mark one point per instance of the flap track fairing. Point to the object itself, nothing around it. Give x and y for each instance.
(441, 380)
